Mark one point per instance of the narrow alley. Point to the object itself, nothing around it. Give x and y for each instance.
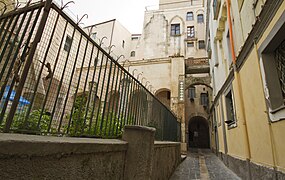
(202, 164)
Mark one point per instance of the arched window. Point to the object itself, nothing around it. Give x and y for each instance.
(189, 16)
(133, 54)
(200, 18)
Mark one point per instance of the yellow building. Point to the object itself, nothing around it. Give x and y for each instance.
(247, 48)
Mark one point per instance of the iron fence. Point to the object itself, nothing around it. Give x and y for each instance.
(56, 80)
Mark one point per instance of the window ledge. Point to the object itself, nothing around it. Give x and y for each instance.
(277, 114)
(175, 35)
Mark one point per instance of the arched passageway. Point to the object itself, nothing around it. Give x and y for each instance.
(198, 129)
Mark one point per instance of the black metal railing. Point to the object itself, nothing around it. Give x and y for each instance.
(56, 80)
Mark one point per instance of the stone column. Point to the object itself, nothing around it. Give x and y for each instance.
(139, 156)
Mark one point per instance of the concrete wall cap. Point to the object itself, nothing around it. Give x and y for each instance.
(166, 144)
(31, 145)
(144, 128)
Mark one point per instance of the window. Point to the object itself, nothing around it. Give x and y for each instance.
(190, 44)
(216, 8)
(204, 99)
(229, 48)
(68, 42)
(189, 16)
(200, 18)
(123, 44)
(94, 35)
(135, 38)
(190, 32)
(133, 54)
(272, 62)
(280, 65)
(201, 44)
(230, 108)
(192, 93)
(175, 29)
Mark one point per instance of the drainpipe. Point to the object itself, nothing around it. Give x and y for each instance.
(236, 73)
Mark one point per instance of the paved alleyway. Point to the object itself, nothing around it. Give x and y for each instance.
(202, 164)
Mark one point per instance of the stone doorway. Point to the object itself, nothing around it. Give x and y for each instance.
(198, 132)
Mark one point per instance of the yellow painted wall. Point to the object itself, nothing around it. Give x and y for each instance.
(220, 129)
(278, 132)
(255, 111)
(236, 136)
(278, 128)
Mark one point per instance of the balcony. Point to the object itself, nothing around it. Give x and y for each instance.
(197, 66)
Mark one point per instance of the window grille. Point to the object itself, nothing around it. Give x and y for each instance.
(280, 64)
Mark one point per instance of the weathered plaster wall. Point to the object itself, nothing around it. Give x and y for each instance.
(164, 167)
(41, 157)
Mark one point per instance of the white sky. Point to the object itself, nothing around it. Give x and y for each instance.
(128, 12)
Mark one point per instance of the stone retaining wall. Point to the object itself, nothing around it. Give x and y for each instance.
(43, 157)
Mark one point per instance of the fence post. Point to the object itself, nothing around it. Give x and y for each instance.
(139, 156)
(28, 65)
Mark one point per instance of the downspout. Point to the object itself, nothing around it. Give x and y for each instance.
(236, 74)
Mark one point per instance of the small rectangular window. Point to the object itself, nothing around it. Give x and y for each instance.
(190, 32)
(201, 44)
(190, 44)
(230, 108)
(204, 99)
(175, 29)
(68, 42)
(200, 18)
(192, 93)
(189, 16)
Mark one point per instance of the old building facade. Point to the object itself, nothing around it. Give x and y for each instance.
(170, 59)
(247, 56)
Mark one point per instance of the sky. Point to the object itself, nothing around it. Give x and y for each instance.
(129, 13)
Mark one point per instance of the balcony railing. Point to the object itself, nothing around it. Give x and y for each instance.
(54, 79)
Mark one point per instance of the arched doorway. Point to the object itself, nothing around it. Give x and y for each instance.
(198, 129)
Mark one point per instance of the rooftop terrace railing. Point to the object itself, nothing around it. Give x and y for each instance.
(55, 80)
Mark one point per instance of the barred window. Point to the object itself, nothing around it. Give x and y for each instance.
(68, 42)
(280, 64)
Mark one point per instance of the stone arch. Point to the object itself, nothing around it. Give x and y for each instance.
(198, 83)
(164, 95)
(200, 11)
(198, 132)
(177, 19)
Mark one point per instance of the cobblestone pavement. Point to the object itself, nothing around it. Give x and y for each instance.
(203, 164)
